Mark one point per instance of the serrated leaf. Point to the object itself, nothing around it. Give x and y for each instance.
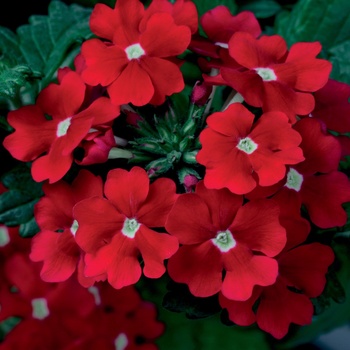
(9, 46)
(44, 44)
(12, 79)
(327, 21)
(262, 8)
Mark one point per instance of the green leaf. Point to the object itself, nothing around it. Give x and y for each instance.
(17, 203)
(179, 299)
(339, 55)
(206, 5)
(42, 46)
(327, 21)
(12, 79)
(262, 8)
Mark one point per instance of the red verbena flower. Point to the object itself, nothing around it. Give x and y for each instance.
(238, 153)
(301, 276)
(316, 182)
(135, 64)
(52, 315)
(115, 231)
(55, 244)
(48, 132)
(274, 78)
(218, 234)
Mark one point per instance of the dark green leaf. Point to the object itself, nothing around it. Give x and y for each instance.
(262, 8)
(327, 21)
(339, 55)
(29, 229)
(17, 203)
(42, 46)
(179, 299)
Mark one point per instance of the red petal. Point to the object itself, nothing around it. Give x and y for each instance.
(58, 251)
(104, 63)
(160, 199)
(305, 267)
(119, 259)
(279, 307)
(223, 205)
(52, 166)
(219, 24)
(98, 222)
(127, 190)
(157, 45)
(195, 225)
(63, 100)
(244, 271)
(199, 266)
(260, 218)
(155, 248)
(322, 151)
(133, 85)
(28, 121)
(240, 312)
(323, 197)
(252, 53)
(166, 78)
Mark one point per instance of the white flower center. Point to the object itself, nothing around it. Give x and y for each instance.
(134, 52)
(4, 236)
(121, 342)
(130, 227)
(266, 74)
(40, 309)
(224, 241)
(294, 180)
(247, 145)
(223, 45)
(74, 227)
(63, 127)
(96, 293)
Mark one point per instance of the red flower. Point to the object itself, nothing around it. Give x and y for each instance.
(273, 77)
(55, 244)
(301, 267)
(55, 126)
(218, 234)
(333, 106)
(121, 320)
(115, 231)
(136, 65)
(236, 151)
(52, 315)
(315, 182)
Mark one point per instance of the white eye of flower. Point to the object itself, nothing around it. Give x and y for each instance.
(247, 145)
(4, 236)
(266, 74)
(40, 308)
(130, 227)
(63, 126)
(121, 342)
(294, 180)
(224, 241)
(134, 52)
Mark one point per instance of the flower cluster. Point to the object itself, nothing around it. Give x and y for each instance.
(224, 200)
